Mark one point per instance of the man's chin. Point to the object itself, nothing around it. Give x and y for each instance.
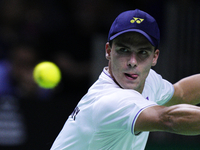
(129, 87)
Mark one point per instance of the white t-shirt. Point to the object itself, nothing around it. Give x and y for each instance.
(105, 117)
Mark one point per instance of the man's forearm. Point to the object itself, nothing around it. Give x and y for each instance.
(188, 90)
(184, 119)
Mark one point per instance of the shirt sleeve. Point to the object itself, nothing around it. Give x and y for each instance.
(162, 88)
(120, 110)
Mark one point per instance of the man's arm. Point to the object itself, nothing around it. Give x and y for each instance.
(181, 119)
(186, 91)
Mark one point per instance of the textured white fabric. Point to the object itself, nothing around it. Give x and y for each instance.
(106, 115)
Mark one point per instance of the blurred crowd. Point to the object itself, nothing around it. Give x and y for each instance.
(58, 31)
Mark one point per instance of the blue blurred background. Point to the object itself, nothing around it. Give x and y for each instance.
(73, 34)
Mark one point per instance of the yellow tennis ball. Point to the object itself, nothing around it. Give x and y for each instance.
(47, 75)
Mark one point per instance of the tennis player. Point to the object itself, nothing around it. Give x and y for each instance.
(130, 99)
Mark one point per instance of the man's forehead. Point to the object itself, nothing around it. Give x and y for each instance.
(131, 38)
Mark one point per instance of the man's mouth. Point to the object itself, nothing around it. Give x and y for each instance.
(131, 76)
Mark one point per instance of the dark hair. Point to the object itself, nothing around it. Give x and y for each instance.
(110, 43)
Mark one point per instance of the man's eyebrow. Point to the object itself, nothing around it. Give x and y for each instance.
(148, 48)
(119, 44)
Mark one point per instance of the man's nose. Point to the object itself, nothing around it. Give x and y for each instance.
(132, 62)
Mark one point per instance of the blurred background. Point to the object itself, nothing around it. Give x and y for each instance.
(73, 34)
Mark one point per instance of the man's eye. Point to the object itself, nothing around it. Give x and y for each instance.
(143, 52)
(125, 50)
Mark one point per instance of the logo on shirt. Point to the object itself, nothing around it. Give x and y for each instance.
(74, 113)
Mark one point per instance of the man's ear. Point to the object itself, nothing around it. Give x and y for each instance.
(155, 57)
(108, 50)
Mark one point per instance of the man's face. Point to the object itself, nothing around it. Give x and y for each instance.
(130, 59)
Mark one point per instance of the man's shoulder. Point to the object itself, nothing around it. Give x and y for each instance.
(154, 79)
